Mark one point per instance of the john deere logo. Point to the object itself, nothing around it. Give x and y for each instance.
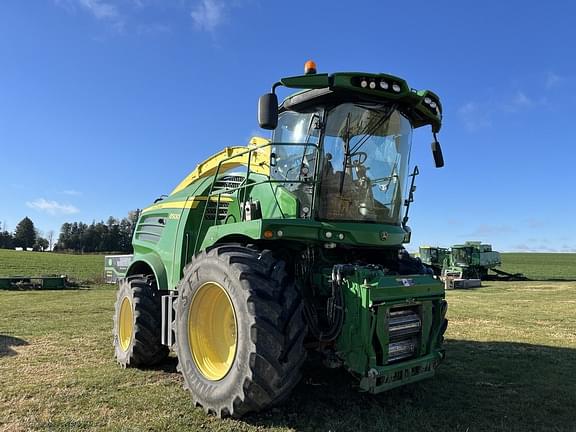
(383, 235)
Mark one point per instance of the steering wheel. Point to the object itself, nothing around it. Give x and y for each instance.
(383, 183)
(362, 157)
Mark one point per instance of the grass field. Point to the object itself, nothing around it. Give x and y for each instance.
(510, 367)
(80, 268)
(540, 266)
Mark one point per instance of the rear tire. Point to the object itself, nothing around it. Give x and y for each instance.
(137, 321)
(256, 361)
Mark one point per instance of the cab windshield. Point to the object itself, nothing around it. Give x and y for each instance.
(366, 151)
(295, 142)
(461, 256)
(358, 151)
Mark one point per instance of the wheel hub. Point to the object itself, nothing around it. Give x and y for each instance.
(126, 322)
(212, 332)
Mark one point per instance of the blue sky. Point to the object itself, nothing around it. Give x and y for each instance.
(105, 105)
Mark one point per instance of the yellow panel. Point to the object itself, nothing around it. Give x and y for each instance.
(226, 159)
(191, 203)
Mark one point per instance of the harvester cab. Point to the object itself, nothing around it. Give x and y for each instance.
(472, 260)
(434, 257)
(290, 243)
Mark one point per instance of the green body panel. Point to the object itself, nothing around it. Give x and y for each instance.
(303, 230)
(370, 295)
(153, 261)
(311, 81)
(406, 96)
(161, 239)
(407, 372)
(276, 201)
(343, 80)
(250, 230)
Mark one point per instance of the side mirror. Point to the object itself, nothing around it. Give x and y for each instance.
(268, 111)
(437, 153)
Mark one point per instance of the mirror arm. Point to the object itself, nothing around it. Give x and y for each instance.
(410, 199)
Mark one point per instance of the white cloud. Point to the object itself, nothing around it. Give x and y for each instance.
(475, 116)
(521, 100)
(517, 102)
(71, 192)
(207, 15)
(52, 207)
(100, 9)
(552, 80)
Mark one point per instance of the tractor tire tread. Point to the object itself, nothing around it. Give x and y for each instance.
(277, 330)
(145, 348)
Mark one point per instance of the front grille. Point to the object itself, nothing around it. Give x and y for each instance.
(150, 228)
(404, 328)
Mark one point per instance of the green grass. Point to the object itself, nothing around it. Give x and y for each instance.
(511, 352)
(76, 267)
(540, 266)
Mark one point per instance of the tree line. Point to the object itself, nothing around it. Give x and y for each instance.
(25, 236)
(114, 235)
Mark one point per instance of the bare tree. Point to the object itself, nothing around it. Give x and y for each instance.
(50, 238)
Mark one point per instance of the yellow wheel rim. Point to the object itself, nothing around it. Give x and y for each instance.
(125, 323)
(212, 331)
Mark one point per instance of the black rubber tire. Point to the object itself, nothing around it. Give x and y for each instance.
(145, 348)
(270, 330)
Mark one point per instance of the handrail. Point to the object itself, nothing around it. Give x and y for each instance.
(245, 184)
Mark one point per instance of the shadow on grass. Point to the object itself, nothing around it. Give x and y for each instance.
(168, 365)
(482, 386)
(6, 344)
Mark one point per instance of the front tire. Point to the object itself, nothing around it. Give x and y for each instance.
(239, 330)
(137, 321)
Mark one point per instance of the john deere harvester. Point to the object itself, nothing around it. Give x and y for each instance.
(472, 260)
(292, 244)
(434, 257)
(475, 259)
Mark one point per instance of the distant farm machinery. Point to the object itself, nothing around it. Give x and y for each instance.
(34, 282)
(466, 265)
